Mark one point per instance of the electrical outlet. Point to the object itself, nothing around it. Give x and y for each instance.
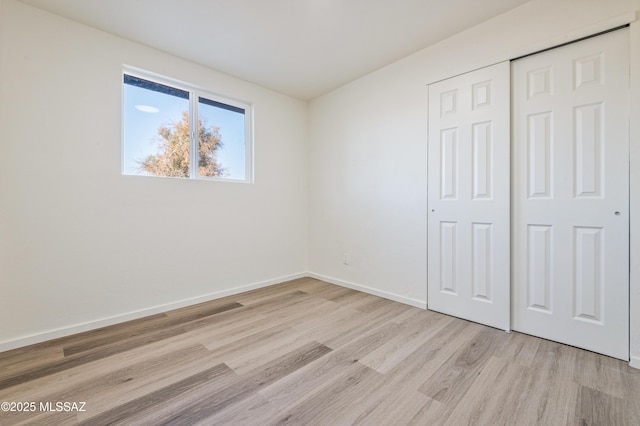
(345, 258)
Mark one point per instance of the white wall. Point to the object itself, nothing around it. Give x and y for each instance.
(368, 149)
(81, 245)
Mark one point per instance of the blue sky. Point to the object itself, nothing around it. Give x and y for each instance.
(141, 128)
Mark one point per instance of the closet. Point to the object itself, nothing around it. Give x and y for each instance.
(528, 195)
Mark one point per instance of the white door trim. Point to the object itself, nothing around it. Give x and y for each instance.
(634, 195)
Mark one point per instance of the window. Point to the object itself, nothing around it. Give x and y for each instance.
(175, 130)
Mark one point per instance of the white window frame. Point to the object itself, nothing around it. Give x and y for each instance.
(195, 93)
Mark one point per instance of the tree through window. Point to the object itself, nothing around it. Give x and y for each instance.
(183, 132)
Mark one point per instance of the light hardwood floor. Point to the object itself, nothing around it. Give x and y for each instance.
(308, 352)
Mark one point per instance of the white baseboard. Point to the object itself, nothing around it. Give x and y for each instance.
(635, 362)
(116, 319)
(391, 296)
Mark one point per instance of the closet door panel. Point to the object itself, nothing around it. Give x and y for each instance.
(571, 194)
(468, 223)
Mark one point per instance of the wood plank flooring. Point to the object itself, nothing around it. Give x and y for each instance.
(308, 352)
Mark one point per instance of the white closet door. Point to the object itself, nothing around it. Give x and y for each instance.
(571, 194)
(468, 223)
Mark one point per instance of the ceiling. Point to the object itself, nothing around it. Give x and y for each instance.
(303, 48)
